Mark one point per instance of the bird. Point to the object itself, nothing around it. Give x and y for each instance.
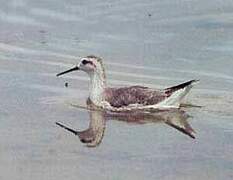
(130, 97)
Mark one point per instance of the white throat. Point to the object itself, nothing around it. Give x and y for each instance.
(97, 87)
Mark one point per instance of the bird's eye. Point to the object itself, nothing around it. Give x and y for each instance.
(85, 62)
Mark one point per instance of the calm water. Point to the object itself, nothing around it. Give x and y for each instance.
(153, 43)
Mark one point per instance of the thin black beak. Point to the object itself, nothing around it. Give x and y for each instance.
(70, 70)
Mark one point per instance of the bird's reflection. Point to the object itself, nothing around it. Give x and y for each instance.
(94, 134)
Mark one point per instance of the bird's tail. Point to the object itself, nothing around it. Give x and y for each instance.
(181, 86)
(177, 93)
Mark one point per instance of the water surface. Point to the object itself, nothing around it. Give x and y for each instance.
(153, 43)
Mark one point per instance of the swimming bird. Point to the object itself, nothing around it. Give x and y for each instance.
(127, 98)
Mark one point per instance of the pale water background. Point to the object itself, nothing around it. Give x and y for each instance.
(151, 42)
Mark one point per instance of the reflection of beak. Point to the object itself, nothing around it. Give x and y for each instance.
(70, 70)
(67, 128)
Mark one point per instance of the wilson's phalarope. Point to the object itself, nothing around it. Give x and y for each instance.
(127, 98)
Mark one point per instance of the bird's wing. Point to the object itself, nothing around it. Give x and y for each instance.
(125, 96)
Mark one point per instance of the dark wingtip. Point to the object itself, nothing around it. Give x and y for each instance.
(182, 85)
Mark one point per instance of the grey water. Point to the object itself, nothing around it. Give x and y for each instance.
(152, 43)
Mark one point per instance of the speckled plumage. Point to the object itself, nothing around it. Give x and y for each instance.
(144, 96)
(124, 98)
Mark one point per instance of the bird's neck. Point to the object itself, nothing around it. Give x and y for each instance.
(97, 87)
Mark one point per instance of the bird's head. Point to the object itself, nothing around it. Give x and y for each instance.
(90, 64)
